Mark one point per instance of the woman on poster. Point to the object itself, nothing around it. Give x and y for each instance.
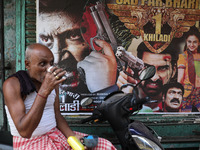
(188, 71)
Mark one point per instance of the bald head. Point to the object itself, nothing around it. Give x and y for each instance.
(35, 48)
(38, 59)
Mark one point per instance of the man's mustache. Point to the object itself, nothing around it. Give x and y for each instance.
(175, 100)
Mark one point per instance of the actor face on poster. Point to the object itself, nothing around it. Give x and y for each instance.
(165, 64)
(172, 95)
(59, 29)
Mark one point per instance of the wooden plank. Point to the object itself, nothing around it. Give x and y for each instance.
(20, 34)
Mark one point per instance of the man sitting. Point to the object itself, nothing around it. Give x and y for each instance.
(32, 104)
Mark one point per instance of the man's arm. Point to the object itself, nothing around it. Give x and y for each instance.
(25, 123)
(62, 124)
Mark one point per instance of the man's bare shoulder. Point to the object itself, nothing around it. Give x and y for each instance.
(11, 91)
(11, 83)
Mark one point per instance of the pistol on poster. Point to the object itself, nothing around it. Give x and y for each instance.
(104, 32)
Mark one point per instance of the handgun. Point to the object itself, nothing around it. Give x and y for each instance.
(132, 61)
(104, 31)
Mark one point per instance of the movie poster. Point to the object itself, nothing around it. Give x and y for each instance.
(160, 33)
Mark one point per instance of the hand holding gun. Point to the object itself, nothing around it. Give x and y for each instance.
(104, 32)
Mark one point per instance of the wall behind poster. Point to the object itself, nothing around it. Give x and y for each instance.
(159, 26)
